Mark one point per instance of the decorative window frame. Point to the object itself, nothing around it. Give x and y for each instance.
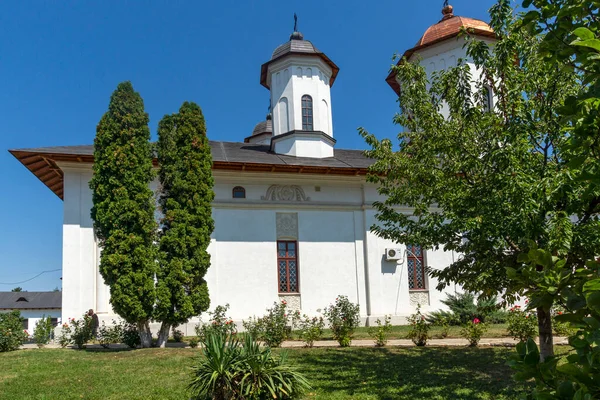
(423, 259)
(309, 125)
(287, 260)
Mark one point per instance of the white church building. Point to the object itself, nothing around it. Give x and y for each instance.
(292, 212)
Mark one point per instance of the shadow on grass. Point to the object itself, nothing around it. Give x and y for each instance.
(413, 373)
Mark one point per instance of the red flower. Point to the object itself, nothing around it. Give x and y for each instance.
(559, 312)
(476, 321)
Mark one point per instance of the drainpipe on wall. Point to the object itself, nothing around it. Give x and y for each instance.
(366, 256)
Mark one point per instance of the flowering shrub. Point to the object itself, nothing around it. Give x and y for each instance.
(444, 323)
(194, 342)
(76, 331)
(311, 329)
(522, 324)
(379, 332)
(108, 335)
(275, 325)
(419, 328)
(254, 327)
(177, 335)
(344, 318)
(43, 331)
(473, 331)
(131, 336)
(12, 334)
(218, 322)
(561, 328)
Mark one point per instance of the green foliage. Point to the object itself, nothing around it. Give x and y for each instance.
(419, 328)
(275, 325)
(473, 331)
(110, 334)
(253, 326)
(177, 335)
(43, 331)
(522, 324)
(463, 309)
(76, 331)
(218, 322)
(131, 336)
(344, 318)
(12, 334)
(561, 328)
(233, 370)
(379, 333)
(186, 193)
(123, 206)
(193, 342)
(17, 289)
(444, 324)
(311, 329)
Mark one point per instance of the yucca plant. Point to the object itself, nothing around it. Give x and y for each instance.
(229, 369)
(267, 377)
(216, 375)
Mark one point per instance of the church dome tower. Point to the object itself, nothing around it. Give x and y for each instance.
(299, 77)
(441, 46)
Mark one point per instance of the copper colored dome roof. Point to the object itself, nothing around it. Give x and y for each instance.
(448, 27)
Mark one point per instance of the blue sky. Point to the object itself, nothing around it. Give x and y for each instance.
(60, 61)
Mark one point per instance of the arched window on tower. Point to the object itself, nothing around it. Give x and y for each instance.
(307, 113)
(239, 192)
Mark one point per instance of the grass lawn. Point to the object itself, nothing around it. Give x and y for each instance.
(335, 373)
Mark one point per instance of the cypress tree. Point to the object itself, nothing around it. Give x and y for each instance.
(123, 208)
(185, 201)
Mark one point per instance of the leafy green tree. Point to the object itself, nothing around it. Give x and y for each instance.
(123, 208)
(17, 289)
(484, 183)
(571, 38)
(186, 194)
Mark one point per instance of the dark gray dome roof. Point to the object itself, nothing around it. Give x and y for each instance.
(263, 127)
(297, 46)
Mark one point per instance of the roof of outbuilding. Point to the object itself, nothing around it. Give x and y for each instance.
(32, 300)
(233, 156)
(448, 27)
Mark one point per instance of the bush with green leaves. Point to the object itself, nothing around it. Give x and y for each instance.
(43, 331)
(177, 335)
(473, 331)
(276, 324)
(344, 318)
(419, 328)
(131, 336)
(76, 331)
(444, 324)
(310, 329)
(64, 338)
(561, 328)
(218, 322)
(522, 324)
(193, 342)
(379, 333)
(253, 326)
(110, 334)
(230, 369)
(12, 334)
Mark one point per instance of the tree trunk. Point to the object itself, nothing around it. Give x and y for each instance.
(163, 334)
(545, 329)
(145, 334)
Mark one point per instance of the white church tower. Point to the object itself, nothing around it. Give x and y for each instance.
(300, 78)
(442, 45)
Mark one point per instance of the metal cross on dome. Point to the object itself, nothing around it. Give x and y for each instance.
(446, 4)
(296, 22)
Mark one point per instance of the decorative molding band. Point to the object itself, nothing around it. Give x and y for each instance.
(287, 225)
(285, 193)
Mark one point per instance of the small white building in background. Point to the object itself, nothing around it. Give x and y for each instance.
(33, 306)
(292, 212)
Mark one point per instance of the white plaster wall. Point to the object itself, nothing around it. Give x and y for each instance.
(293, 77)
(337, 253)
(304, 145)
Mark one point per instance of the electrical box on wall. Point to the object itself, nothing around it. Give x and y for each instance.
(393, 254)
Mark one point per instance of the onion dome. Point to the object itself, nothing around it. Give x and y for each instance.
(448, 27)
(297, 46)
(261, 130)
